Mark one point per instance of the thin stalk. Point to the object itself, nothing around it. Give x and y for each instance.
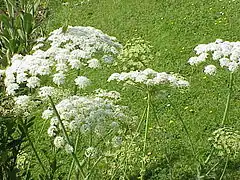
(142, 118)
(41, 130)
(145, 134)
(155, 114)
(209, 156)
(139, 125)
(72, 164)
(35, 151)
(225, 115)
(67, 138)
(224, 170)
(90, 145)
(212, 168)
(185, 129)
(94, 165)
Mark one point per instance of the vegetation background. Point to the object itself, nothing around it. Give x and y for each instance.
(173, 28)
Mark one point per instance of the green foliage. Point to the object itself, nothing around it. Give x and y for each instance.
(20, 26)
(12, 140)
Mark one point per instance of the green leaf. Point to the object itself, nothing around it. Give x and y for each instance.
(10, 7)
(27, 19)
(5, 20)
(21, 33)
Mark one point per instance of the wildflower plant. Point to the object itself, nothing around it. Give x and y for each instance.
(50, 73)
(223, 54)
(147, 80)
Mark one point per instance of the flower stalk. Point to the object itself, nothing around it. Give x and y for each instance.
(145, 134)
(67, 138)
(225, 115)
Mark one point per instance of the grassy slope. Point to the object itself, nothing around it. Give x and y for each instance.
(174, 28)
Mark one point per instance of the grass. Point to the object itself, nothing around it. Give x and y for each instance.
(174, 28)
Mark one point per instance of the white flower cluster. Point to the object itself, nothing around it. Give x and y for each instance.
(22, 101)
(68, 50)
(114, 95)
(225, 52)
(85, 114)
(149, 77)
(82, 82)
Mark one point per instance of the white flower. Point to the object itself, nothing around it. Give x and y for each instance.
(227, 53)
(68, 148)
(210, 69)
(149, 77)
(232, 66)
(114, 76)
(61, 67)
(182, 83)
(74, 63)
(193, 61)
(37, 46)
(11, 88)
(73, 125)
(47, 114)
(224, 62)
(52, 132)
(21, 77)
(33, 82)
(59, 142)
(22, 101)
(59, 78)
(46, 91)
(202, 57)
(93, 63)
(82, 82)
(54, 121)
(141, 78)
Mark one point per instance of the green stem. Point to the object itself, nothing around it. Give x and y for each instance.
(145, 135)
(225, 115)
(224, 170)
(94, 165)
(67, 138)
(142, 118)
(185, 129)
(72, 164)
(41, 130)
(155, 114)
(212, 168)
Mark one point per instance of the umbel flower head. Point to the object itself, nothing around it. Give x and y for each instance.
(226, 53)
(226, 141)
(136, 54)
(86, 114)
(149, 77)
(63, 51)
